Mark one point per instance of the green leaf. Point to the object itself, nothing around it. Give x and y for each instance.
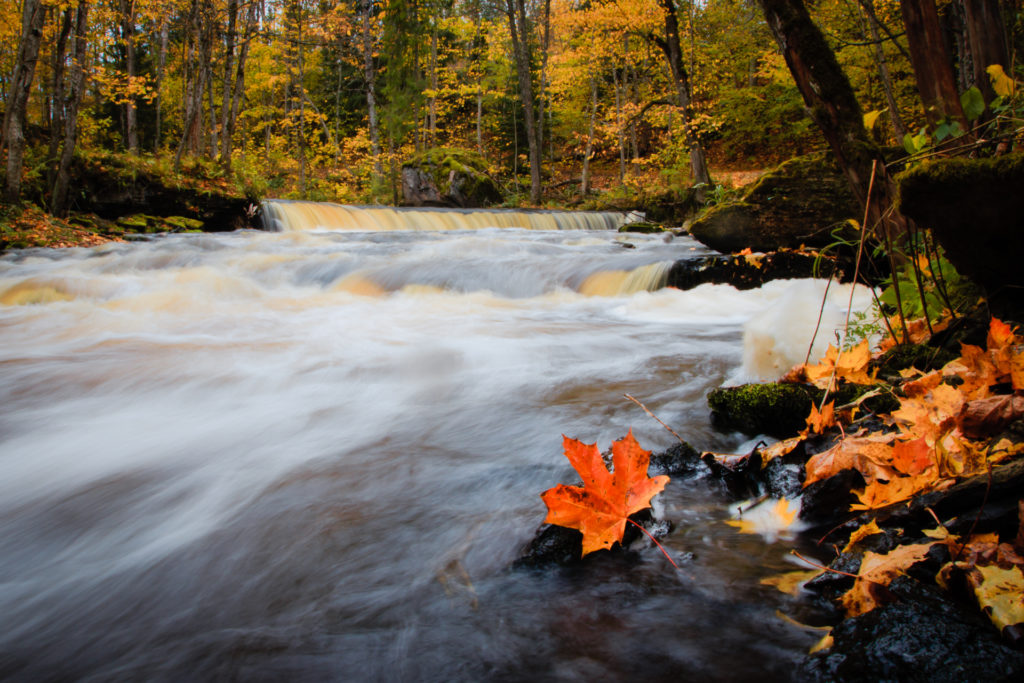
(973, 103)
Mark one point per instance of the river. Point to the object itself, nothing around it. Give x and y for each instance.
(313, 455)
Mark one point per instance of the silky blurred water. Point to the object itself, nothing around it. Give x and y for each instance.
(314, 455)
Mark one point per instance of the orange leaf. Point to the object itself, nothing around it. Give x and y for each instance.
(879, 494)
(877, 571)
(912, 457)
(817, 422)
(999, 335)
(869, 455)
(599, 509)
(986, 417)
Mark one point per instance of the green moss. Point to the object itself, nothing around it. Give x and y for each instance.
(642, 227)
(920, 356)
(781, 410)
(776, 409)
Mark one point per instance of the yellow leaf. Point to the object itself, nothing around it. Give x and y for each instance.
(862, 532)
(1000, 593)
(779, 449)
(871, 118)
(1001, 83)
(770, 519)
(823, 644)
(877, 571)
(791, 582)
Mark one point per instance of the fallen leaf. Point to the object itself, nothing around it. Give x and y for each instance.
(818, 422)
(860, 533)
(879, 493)
(1000, 593)
(779, 449)
(599, 509)
(770, 519)
(876, 572)
(986, 417)
(912, 457)
(869, 455)
(791, 582)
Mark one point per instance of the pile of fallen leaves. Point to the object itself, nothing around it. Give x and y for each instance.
(26, 225)
(952, 424)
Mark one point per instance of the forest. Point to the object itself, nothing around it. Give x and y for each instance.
(325, 99)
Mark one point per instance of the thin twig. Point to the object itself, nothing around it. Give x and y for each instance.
(826, 569)
(671, 431)
(655, 541)
(821, 313)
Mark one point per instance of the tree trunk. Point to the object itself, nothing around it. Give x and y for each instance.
(57, 94)
(370, 75)
(230, 38)
(161, 65)
(932, 64)
(883, 70)
(59, 203)
(127, 10)
(834, 108)
(518, 28)
(588, 150)
(238, 89)
(987, 39)
(17, 103)
(541, 100)
(673, 51)
(619, 126)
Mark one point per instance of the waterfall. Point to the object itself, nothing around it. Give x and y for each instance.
(286, 216)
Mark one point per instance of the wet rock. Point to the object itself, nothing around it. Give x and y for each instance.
(920, 356)
(110, 188)
(781, 409)
(921, 637)
(448, 177)
(783, 477)
(681, 460)
(827, 502)
(975, 209)
(800, 202)
(746, 271)
(772, 408)
(556, 545)
(644, 227)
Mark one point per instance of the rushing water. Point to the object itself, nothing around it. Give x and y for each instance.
(314, 455)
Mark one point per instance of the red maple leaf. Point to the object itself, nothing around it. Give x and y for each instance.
(600, 507)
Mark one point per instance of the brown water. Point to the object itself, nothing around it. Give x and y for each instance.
(314, 455)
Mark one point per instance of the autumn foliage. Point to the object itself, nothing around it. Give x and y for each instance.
(600, 507)
(950, 425)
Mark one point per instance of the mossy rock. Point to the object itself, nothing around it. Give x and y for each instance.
(781, 410)
(448, 177)
(642, 227)
(975, 209)
(138, 223)
(183, 224)
(799, 203)
(920, 356)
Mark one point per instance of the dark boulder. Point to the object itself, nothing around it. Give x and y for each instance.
(748, 271)
(448, 177)
(799, 203)
(113, 188)
(975, 209)
(919, 637)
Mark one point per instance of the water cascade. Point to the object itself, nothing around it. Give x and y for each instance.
(314, 454)
(282, 215)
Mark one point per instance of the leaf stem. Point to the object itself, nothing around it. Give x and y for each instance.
(653, 539)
